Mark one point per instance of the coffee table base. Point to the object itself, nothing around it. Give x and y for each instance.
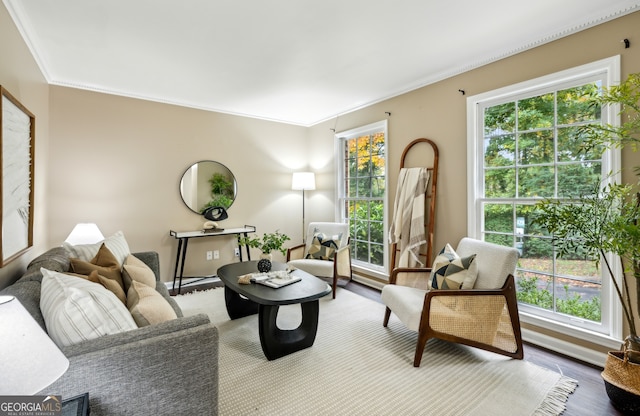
(276, 342)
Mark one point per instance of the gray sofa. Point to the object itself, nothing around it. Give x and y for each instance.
(164, 369)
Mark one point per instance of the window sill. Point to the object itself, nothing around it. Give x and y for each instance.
(564, 345)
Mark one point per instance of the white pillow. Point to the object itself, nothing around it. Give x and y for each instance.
(117, 244)
(76, 310)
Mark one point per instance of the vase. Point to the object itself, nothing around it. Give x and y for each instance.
(264, 264)
(622, 379)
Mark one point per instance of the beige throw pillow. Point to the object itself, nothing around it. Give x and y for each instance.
(147, 306)
(136, 269)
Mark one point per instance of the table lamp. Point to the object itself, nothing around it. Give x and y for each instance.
(84, 233)
(303, 181)
(29, 359)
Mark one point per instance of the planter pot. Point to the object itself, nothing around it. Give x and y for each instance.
(622, 382)
(264, 264)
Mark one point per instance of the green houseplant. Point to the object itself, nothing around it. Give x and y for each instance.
(266, 244)
(607, 220)
(222, 191)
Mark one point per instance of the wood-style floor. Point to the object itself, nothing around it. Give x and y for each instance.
(589, 398)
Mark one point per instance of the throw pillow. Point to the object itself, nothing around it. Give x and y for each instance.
(104, 262)
(147, 306)
(108, 284)
(117, 244)
(324, 247)
(136, 269)
(77, 310)
(450, 271)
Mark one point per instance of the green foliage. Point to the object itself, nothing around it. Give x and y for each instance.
(596, 224)
(222, 192)
(218, 200)
(572, 304)
(575, 305)
(528, 292)
(267, 243)
(627, 95)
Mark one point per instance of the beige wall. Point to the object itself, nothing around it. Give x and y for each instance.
(117, 162)
(19, 74)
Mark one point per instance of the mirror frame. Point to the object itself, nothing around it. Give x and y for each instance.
(200, 188)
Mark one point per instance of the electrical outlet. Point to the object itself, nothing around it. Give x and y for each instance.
(216, 254)
(209, 255)
(236, 252)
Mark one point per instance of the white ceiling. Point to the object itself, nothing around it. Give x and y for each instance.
(295, 61)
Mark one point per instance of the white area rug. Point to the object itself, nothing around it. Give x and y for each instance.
(358, 367)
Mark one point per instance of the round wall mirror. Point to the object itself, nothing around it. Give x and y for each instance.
(207, 184)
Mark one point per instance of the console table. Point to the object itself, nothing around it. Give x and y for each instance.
(183, 238)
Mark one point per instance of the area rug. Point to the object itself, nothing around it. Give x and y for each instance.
(358, 367)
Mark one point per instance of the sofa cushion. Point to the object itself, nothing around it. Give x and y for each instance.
(135, 269)
(56, 259)
(116, 243)
(147, 306)
(106, 264)
(78, 310)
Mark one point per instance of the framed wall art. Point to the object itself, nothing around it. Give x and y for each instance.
(17, 164)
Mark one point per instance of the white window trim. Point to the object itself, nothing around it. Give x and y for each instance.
(611, 163)
(378, 272)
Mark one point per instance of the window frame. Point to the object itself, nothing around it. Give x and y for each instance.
(611, 162)
(380, 272)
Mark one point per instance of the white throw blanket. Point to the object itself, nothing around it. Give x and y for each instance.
(408, 224)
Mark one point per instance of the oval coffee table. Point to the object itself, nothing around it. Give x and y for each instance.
(265, 301)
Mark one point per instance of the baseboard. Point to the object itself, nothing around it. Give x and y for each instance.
(194, 281)
(565, 348)
(368, 282)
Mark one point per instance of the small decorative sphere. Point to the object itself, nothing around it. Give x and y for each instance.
(264, 265)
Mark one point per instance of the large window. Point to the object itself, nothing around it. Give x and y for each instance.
(362, 193)
(524, 146)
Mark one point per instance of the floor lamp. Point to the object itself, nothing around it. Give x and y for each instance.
(304, 181)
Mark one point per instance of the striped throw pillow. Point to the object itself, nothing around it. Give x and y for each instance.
(77, 310)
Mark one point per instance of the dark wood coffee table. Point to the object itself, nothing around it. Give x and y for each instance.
(265, 301)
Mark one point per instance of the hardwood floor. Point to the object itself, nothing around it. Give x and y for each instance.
(589, 398)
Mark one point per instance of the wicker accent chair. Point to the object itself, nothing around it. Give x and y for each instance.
(337, 268)
(484, 317)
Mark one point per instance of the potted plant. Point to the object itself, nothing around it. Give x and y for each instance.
(266, 244)
(608, 221)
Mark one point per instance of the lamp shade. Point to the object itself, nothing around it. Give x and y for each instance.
(84, 233)
(30, 361)
(304, 181)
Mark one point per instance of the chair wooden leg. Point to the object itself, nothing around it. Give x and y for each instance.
(335, 285)
(422, 342)
(387, 314)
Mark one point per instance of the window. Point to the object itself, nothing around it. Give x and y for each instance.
(362, 194)
(524, 147)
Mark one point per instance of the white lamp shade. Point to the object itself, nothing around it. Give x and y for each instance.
(84, 233)
(29, 359)
(304, 181)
